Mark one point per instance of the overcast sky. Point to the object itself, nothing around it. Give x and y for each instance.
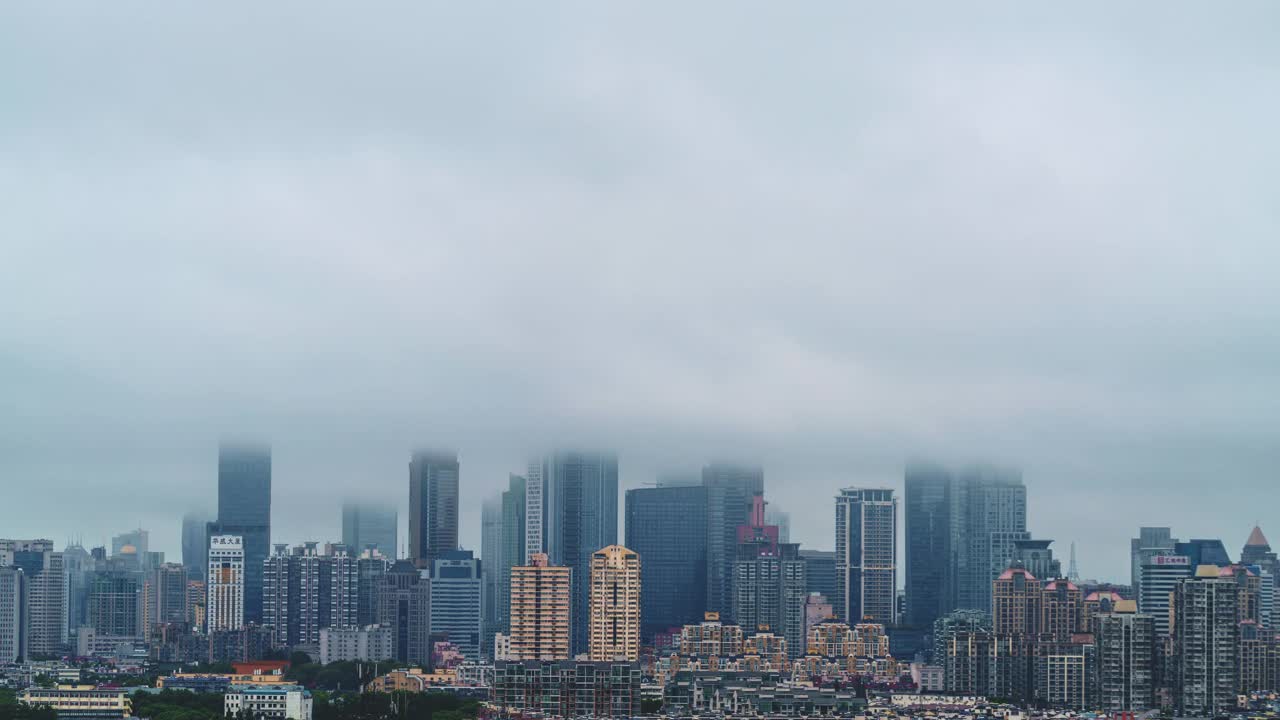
(824, 237)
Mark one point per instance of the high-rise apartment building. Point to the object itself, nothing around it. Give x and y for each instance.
(44, 572)
(164, 597)
(1206, 642)
(614, 606)
(195, 543)
(244, 510)
(541, 610)
(369, 526)
(370, 567)
(225, 584)
(457, 595)
(1126, 651)
(1061, 610)
(769, 584)
(13, 615)
(433, 506)
(114, 604)
(667, 526)
(404, 605)
(866, 555)
(579, 516)
(1016, 603)
(730, 489)
(305, 590)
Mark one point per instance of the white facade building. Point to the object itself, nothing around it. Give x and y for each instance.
(224, 609)
(268, 702)
(371, 643)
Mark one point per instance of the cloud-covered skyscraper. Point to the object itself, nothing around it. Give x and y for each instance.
(369, 525)
(579, 494)
(433, 506)
(244, 509)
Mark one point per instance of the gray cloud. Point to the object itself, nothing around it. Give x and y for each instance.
(827, 238)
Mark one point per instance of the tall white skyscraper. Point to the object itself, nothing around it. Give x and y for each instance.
(224, 609)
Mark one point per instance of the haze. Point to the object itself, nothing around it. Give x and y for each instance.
(827, 238)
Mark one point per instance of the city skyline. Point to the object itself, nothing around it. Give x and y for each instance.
(470, 512)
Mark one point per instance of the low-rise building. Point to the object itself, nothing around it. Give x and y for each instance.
(81, 701)
(371, 643)
(567, 688)
(412, 680)
(754, 694)
(268, 702)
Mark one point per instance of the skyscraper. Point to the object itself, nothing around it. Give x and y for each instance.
(730, 489)
(456, 599)
(370, 567)
(820, 573)
(43, 569)
(580, 516)
(961, 531)
(866, 555)
(165, 596)
(514, 544)
(667, 527)
(992, 508)
(491, 567)
(225, 583)
(769, 584)
(927, 543)
(1203, 551)
(614, 612)
(369, 525)
(13, 615)
(195, 543)
(1206, 643)
(404, 605)
(79, 566)
(1151, 541)
(1160, 575)
(244, 510)
(433, 506)
(541, 610)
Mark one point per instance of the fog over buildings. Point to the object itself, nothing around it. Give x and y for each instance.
(828, 239)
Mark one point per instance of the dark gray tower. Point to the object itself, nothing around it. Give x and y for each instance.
(244, 509)
(433, 506)
(930, 592)
(730, 490)
(581, 517)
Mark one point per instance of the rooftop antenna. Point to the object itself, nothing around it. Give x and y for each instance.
(1073, 572)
